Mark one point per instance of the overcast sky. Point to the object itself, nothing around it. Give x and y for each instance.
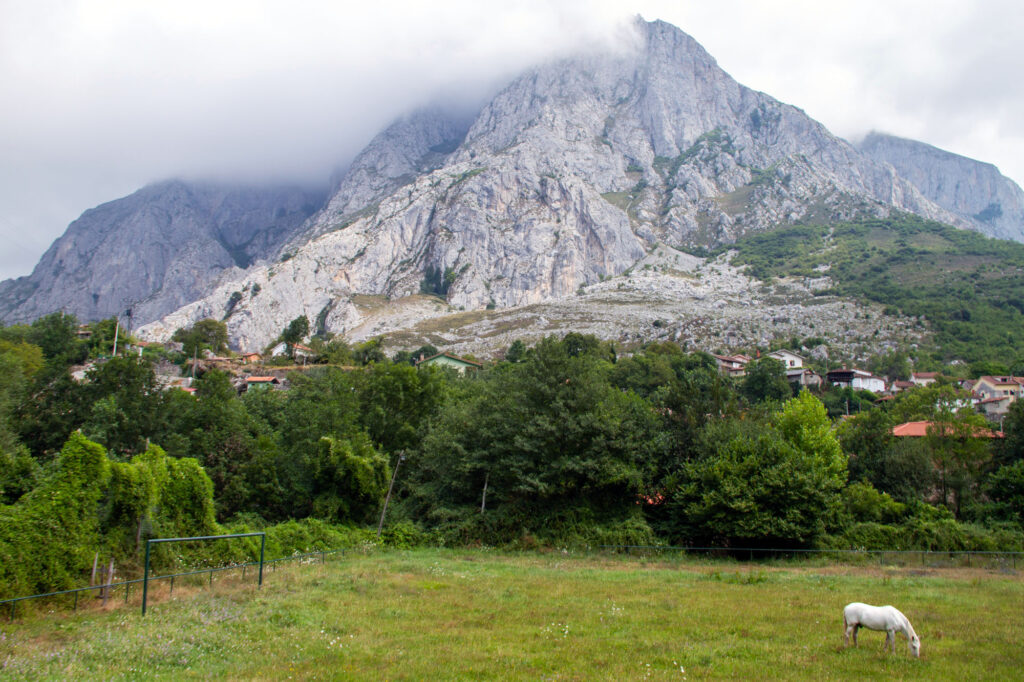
(103, 97)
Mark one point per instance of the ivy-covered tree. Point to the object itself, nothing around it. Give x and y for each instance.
(350, 479)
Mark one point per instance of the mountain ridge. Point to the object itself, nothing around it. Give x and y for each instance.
(570, 175)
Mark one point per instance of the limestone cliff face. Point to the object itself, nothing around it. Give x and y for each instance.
(976, 192)
(568, 176)
(156, 250)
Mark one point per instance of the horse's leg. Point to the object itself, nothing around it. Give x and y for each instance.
(856, 629)
(890, 640)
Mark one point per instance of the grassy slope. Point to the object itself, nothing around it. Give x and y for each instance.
(970, 287)
(474, 615)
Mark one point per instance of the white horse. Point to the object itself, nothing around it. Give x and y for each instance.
(888, 618)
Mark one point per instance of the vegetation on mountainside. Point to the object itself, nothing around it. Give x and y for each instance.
(969, 288)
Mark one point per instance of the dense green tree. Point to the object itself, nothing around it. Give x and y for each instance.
(516, 352)
(53, 406)
(126, 405)
(296, 331)
(396, 401)
(350, 479)
(770, 484)
(205, 334)
(57, 335)
(546, 438)
(765, 379)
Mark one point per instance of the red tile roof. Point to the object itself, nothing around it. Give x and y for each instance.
(920, 429)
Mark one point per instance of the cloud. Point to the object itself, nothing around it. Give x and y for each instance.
(104, 97)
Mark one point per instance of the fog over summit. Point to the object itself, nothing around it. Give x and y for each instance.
(107, 98)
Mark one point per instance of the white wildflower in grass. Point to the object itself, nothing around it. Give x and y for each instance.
(555, 630)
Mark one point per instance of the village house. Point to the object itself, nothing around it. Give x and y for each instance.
(994, 408)
(788, 358)
(449, 360)
(924, 378)
(920, 430)
(857, 379)
(804, 377)
(261, 383)
(998, 387)
(732, 365)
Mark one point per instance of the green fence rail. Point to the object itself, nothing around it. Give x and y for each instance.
(11, 604)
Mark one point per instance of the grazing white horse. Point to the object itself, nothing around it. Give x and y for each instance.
(888, 618)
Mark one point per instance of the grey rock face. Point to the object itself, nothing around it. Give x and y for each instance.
(567, 177)
(156, 250)
(977, 192)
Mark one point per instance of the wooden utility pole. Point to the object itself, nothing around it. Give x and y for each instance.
(483, 498)
(394, 475)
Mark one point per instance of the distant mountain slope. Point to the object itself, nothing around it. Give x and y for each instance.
(973, 190)
(569, 175)
(156, 249)
(968, 287)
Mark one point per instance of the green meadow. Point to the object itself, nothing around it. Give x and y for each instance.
(478, 614)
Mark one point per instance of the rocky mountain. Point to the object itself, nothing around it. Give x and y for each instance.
(156, 250)
(566, 180)
(976, 192)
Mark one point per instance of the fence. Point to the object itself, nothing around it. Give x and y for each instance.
(73, 595)
(967, 558)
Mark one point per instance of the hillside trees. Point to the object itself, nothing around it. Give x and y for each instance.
(207, 334)
(773, 483)
(549, 438)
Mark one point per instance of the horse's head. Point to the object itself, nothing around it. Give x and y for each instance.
(915, 646)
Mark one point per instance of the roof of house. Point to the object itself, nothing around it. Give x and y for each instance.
(450, 356)
(924, 375)
(920, 429)
(787, 352)
(299, 346)
(1001, 380)
(262, 380)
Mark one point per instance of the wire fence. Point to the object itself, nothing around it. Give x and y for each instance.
(73, 596)
(907, 558)
(910, 557)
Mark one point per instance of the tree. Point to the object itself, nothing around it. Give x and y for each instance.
(296, 331)
(766, 380)
(768, 484)
(125, 403)
(516, 352)
(208, 333)
(350, 479)
(550, 438)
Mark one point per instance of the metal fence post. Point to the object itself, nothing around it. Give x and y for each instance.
(263, 544)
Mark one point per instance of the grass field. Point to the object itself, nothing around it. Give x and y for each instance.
(461, 614)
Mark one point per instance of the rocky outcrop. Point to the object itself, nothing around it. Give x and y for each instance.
(566, 178)
(156, 250)
(976, 192)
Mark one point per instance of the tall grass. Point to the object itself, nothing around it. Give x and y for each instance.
(457, 614)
